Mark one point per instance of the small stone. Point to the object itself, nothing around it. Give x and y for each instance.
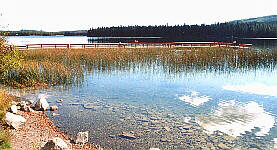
(154, 149)
(55, 114)
(170, 116)
(167, 129)
(55, 144)
(15, 121)
(186, 127)
(164, 140)
(74, 104)
(112, 136)
(59, 101)
(14, 109)
(54, 108)
(89, 106)
(222, 146)
(154, 122)
(82, 137)
(81, 110)
(127, 135)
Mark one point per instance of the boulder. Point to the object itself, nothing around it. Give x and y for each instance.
(15, 121)
(41, 104)
(14, 109)
(54, 108)
(56, 144)
(82, 137)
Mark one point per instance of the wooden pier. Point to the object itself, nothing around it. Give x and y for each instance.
(138, 45)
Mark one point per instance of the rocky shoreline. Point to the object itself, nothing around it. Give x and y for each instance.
(32, 129)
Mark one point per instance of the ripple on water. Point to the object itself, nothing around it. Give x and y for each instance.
(234, 119)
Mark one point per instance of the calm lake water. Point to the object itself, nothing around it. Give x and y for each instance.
(183, 110)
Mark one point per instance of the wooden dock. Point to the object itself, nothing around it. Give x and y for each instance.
(138, 45)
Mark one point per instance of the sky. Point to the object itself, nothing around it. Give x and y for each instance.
(61, 15)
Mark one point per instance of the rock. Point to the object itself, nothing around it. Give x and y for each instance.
(154, 149)
(89, 106)
(82, 137)
(14, 109)
(54, 108)
(55, 114)
(30, 102)
(112, 136)
(186, 127)
(74, 104)
(167, 129)
(42, 104)
(164, 140)
(56, 144)
(143, 119)
(59, 101)
(222, 146)
(127, 136)
(15, 121)
(29, 109)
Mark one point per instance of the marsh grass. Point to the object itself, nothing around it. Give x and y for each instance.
(5, 101)
(172, 61)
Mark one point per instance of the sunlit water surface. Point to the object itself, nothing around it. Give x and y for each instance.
(185, 110)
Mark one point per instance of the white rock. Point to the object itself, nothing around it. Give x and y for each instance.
(56, 144)
(15, 121)
(54, 108)
(82, 137)
(42, 104)
(14, 109)
(154, 149)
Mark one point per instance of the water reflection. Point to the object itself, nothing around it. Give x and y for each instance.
(195, 99)
(254, 88)
(234, 119)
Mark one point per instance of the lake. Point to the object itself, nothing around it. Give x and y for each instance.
(167, 109)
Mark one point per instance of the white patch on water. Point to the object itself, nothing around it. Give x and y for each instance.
(254, 88)
(194, 99)
(235, 119)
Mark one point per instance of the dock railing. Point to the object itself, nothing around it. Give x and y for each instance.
(137, 45)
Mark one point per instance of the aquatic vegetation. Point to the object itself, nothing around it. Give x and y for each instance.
(171, 61)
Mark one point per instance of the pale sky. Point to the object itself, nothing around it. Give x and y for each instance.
(57, 15)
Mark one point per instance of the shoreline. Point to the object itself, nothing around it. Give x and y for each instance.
(37, 131)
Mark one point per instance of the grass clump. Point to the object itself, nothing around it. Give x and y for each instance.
(17, 72)
(5, 101)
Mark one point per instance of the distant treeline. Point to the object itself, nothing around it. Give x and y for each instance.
(214, 32)
(44, 33)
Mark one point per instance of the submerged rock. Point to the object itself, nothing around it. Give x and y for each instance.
(56, 144)
(14, 109)
(42, 104)
(54, 108)
(222, 146)
(15, 121)
(82, 137)
(59, 101)
(127, 136)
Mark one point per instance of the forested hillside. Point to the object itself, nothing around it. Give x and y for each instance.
(215, 32)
